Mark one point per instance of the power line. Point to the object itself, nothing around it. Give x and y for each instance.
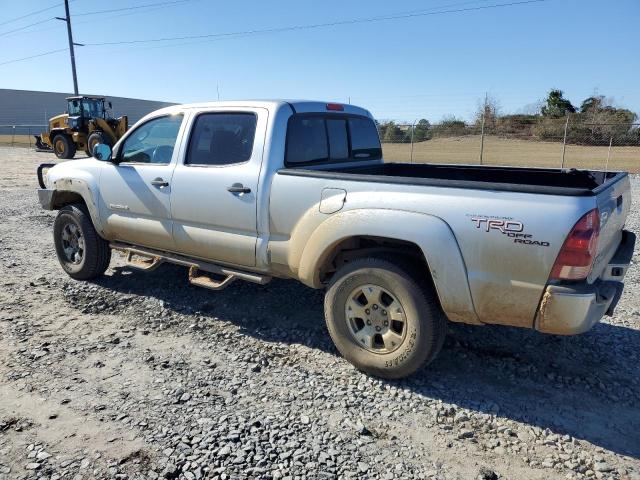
(32, 13)
(2, 34)
(315, 25)
(291, 28)
(242, 36)
(33, 56)
(150, 8)
(137, 7)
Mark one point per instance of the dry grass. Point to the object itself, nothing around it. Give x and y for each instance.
(501, 151)
(17, 140)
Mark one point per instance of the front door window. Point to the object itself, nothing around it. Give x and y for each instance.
(152, 142)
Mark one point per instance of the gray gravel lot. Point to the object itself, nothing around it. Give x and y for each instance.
(144, 376)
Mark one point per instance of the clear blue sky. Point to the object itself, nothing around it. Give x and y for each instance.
(424, 66)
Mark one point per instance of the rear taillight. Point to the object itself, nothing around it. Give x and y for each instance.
(576, 256)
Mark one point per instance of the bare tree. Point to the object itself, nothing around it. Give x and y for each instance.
(489, 109)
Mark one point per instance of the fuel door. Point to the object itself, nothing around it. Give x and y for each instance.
(332, 200)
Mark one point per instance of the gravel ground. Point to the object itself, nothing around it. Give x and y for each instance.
(142, 376)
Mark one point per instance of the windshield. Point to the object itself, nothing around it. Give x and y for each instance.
(88, 108)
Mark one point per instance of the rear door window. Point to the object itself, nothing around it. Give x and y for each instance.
(222, 138)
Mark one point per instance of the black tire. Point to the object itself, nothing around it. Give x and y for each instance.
(94, 139)
(424, 323)
(83, 263)
(63, 146)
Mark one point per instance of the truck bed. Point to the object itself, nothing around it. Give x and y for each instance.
(548, 181)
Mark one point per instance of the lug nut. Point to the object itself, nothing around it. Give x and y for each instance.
(367, 311)
(368, 322)
(384, 312)
(375, 307)
(377, 329)
(386, 323)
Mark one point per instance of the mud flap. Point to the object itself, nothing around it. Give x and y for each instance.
(619, 287)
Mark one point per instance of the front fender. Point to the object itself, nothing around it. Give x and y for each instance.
(66, 181)
(432, 235)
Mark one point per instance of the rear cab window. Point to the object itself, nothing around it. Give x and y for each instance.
(316, 138)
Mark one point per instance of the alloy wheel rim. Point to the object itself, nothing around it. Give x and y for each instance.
(376, 319)
(73, 243)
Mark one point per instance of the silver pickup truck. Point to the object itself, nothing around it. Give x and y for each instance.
(259, 189)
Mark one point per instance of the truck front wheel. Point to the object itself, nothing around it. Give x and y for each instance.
(82, 253)
(384, 318)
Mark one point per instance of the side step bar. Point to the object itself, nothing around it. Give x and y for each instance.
(152, 258)
(208, 282)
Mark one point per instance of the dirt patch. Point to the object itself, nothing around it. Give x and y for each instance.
(143, 376)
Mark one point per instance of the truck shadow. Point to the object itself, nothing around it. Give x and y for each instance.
(585, 386)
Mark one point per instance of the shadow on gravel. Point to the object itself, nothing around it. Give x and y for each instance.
(585, 386)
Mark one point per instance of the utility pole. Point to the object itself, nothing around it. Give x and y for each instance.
(564, 140)
(71, 44)
(484, 116)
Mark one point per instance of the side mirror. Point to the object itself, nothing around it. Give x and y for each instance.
(102, 152)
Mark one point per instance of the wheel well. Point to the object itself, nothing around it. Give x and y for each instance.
(63, 198)
(54, 133)
(366, 246)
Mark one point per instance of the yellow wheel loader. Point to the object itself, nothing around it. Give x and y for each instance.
(85, 124)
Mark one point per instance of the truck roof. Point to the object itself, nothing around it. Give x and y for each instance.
(299, 106)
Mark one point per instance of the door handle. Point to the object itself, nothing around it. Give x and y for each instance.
(238, 188)
(159, 182)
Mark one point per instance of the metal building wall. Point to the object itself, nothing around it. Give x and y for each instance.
(28, 107)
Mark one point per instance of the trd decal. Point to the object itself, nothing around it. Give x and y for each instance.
(506, 226)
(503, 226)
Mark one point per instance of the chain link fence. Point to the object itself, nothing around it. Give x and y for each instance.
(20, 135)
(533, 142)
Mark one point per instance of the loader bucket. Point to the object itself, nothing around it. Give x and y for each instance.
(41, 146)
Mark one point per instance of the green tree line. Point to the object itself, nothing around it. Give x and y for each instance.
(594, 122)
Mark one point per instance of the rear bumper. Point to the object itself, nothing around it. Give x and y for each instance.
(572, 309)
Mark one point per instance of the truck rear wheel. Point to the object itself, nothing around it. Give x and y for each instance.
(63, 146)
(82, 253)
(384, 318)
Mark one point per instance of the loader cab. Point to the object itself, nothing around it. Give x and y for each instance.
(83, 109)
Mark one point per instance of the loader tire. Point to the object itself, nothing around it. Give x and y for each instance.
(94, 139)
(63, 146)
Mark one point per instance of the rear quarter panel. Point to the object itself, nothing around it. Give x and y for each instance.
(505, 278)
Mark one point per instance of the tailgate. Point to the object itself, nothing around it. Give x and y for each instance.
(613, 202)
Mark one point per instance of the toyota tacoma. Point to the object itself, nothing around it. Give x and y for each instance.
(254, 190)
